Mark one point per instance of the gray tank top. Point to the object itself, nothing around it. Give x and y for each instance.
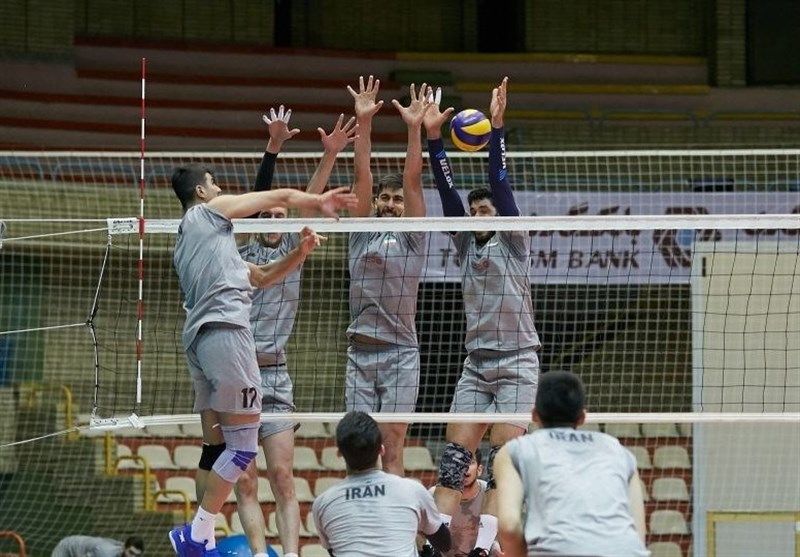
(497, 291)
(274, 308)
(213, 276)
(385, 270)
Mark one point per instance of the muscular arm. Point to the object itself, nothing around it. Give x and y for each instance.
(413, 116)
(240, 206)
(262, 276)
(365, 108)
(509, 513)
(333, 144)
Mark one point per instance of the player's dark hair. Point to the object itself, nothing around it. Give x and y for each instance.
(359, 440)
(390, 182)
(478, 456)
(479, 194)
(135, 541)
(185, 179)
(560, 399)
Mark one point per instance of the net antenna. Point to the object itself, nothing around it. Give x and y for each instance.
(133, 418)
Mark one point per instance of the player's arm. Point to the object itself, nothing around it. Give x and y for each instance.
(262, 276)
(365, 108)
(452, 206)
(502, 195)
(509, 513)
(279, 133)
(332, 144)
(413, 115)
(431, 523)
(637, 504)
(240, 206)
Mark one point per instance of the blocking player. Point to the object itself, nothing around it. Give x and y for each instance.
(383, 362)
(216, 285)
(501, 369)
(564, 491)
(371, 512)
(272, 320)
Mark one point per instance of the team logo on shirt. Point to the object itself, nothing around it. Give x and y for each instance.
(481, 264)
(364, 491)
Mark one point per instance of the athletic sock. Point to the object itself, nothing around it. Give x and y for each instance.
(203, 528)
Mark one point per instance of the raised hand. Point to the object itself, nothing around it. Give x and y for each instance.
(498, 106)
(334, 200)
(414, 113)
(365, 104)
(309, 240)
(434, 118)
(278, 124)
(340, 137)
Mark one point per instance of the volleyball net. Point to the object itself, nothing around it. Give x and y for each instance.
(668, 280)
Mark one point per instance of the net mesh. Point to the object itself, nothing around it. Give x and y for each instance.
(682, 300)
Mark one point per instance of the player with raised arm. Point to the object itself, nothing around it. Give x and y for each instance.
(566, 492)
(383, 362)
(371, 512)
(216, 284)
(501, 370)
(272, 320)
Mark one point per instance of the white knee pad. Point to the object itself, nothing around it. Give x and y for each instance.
(241, 447)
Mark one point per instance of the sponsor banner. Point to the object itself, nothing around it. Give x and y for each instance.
(618, 257)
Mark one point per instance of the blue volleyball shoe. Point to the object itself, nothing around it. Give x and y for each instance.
(184, 546)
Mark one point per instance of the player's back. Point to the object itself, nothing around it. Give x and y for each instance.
(374, 514)
(576, 490)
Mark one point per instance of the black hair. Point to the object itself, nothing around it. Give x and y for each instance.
(390, 182)
(359, 440)
(185, 179)
(134, 541)
(560, 399)
(479, 194)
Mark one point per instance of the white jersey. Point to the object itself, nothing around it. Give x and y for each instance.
(575, 486)
(465, 523)
(375, 514)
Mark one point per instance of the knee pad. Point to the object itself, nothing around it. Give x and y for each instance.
(490, 483)
(453, 466)
(241, 447)
(210, 455)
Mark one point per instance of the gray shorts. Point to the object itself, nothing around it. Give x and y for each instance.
(498, 382)
(277, 398)
(381, 378)
(222, 362)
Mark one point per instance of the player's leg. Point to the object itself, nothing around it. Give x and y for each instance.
(462, 438)
(249, 509)
(397, 389)
(213, 445)
(225, 358)
(516, 379)
(277, 440)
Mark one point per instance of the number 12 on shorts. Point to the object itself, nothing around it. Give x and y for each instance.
(249, 397)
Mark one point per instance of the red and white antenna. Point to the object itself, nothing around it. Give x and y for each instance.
(140, 302)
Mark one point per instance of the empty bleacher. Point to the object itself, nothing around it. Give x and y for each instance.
(206, 97)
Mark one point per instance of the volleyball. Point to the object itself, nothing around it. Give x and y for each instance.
(470, 130)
